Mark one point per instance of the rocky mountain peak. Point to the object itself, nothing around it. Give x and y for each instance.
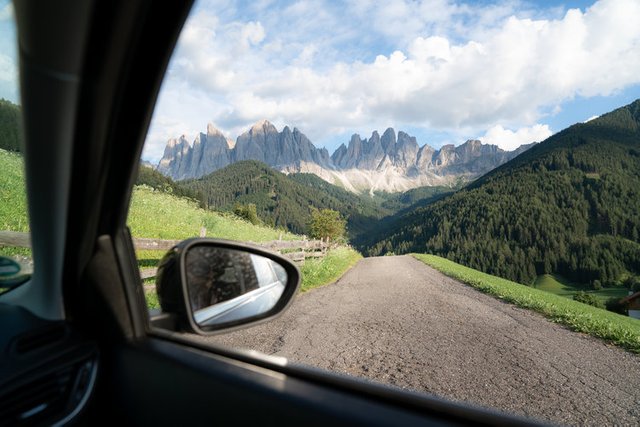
(389, 162)
(406, 139)
(175, 142)
(388, 139)
(263, 126)
(212, 130)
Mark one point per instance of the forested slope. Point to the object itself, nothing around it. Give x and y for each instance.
(570, 205)
(281, 200)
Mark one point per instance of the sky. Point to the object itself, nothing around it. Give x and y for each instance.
(507, 72)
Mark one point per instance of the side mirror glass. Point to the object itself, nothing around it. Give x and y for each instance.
(214, 285)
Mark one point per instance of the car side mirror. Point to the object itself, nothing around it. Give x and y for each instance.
(210, 285)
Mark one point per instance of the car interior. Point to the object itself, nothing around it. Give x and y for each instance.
(78, 343)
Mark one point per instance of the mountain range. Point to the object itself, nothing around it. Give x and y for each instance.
(380, 163)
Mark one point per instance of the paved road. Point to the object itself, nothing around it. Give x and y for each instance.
(397, 321)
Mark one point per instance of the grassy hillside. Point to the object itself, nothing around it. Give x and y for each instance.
(568, 206)
(160, 215)
(13, 200)
(621, 330)
(153, 213)
(560, 286)
(281, 201)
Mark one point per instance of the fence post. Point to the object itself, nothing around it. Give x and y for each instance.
(203, 232)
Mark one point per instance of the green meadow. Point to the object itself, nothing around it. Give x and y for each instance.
(560, 286)
(159, 215)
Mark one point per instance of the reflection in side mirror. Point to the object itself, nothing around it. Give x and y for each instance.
(226, 285)
(212, 285)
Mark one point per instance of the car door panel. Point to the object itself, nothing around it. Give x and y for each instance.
(171, 384)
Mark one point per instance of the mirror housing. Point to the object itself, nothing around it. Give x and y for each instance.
(208, 286)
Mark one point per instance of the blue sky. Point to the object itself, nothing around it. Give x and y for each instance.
(508, 72)
(8, 69)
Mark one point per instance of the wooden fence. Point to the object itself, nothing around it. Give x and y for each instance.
(296, 250)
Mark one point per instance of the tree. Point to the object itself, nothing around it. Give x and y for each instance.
(327, 224)
(248, 212)
(613, 304)
(633, 283)
(586, 298)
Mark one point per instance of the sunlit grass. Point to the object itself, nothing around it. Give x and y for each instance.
(13, 200)
(151, 296)
(621, 330)
(159, 215)
(318, 272)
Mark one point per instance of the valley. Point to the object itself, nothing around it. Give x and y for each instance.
(563, 216)
(569, 206)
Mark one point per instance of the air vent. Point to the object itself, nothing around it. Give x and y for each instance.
(51, 398)
(40, 338)
(36, 401)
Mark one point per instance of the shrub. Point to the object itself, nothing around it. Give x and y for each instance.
(586, 298)
(248, 212)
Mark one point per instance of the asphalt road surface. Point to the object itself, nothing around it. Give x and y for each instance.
(398, 321)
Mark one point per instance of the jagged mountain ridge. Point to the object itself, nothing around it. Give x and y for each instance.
(382, 162)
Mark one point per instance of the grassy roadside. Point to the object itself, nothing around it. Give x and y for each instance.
(620, 330)
(318, 272)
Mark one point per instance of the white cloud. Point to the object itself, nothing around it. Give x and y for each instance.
(7, 13)
(8, 69)
(252, 33)
(510, 140)
(326, 67)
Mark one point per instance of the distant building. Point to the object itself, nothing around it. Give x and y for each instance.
(632, 302)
